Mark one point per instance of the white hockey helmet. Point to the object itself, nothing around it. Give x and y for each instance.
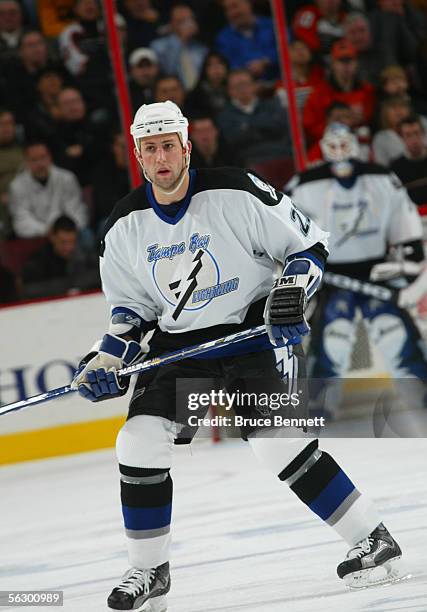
(159, 118)
(339, 143)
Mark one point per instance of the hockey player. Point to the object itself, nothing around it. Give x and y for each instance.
(368, 213)
(195, 253)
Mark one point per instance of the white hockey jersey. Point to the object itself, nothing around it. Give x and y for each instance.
(210, 262)
(363, 221)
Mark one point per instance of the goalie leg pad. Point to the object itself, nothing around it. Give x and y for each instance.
(396, 336)
(334, 334)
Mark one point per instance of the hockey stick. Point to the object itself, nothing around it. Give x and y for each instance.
(184, 353)
(340, 281)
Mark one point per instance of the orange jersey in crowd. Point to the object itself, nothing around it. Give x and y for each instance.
(54, 16)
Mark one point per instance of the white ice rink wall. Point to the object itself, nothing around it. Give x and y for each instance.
(42, 343)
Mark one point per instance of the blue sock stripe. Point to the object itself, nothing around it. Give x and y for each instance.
(147, 518)
(332, 496)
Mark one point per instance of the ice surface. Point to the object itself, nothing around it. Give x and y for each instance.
(242, 540)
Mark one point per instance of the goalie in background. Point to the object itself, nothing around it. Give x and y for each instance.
(371, 220)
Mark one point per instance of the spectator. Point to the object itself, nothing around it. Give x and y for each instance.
(306, 74)
(143, 23)
(387, 144)
(78, 142)
(180, 53)
(83, 48)
(210, 16)
(339, 112)
(256, 130)
(10, 29)
(169, 87)
(96, 80)
(11, 161)
(411, 167)
(394, 82)
(208, 150)
(22, 75)
(29, 12)
(248, 41)
(398, 29)
(357, 31)
(110, 180)
(319, 24)
(144, 70)
(55, 16)
(82, 37)
(11, 153)
(343, 85)
(59, 267)
(210, 95)
(40, 120)
(43, 192)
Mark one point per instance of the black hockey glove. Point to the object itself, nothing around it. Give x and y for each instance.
(284, 311)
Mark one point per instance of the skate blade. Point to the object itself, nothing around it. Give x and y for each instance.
(388, 573)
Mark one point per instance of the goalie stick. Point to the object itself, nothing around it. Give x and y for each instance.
(184, 353)
(340, 281)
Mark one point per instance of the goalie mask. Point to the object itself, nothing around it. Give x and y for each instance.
(339, 146)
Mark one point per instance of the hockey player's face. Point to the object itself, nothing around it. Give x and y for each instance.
(163, 159)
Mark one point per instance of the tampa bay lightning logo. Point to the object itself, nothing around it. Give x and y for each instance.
(178, 278)
(263, 185)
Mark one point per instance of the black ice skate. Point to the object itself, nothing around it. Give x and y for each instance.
(142, 590)
(373, 561)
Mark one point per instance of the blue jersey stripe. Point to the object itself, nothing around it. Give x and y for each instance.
(182, 209)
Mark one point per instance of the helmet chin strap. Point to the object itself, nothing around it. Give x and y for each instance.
(179, 180)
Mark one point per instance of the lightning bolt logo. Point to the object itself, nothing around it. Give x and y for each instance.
(192, 280)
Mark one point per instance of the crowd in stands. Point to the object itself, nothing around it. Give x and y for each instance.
(63, 154)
